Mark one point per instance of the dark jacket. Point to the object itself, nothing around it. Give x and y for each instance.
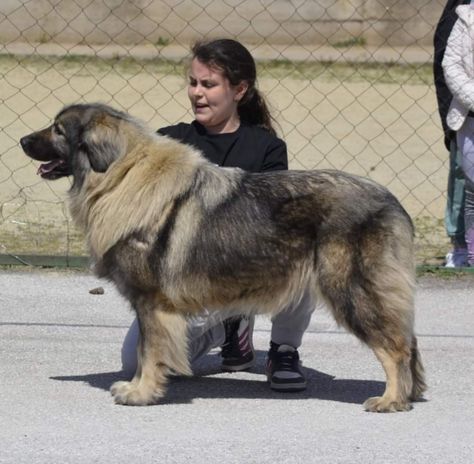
(443, 95)
(251, 148)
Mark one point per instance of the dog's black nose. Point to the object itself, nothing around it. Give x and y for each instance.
(24, 142)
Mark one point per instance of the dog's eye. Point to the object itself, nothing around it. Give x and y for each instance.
(58, 130)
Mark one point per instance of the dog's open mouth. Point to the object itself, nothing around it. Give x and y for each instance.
(53, 170)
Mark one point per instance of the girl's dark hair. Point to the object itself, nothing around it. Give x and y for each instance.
(238, 65)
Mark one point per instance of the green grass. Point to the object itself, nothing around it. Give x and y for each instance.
(352, 42)
(47, 239)
(88, 65)
(444, 273)
(373, 73)
(42, 239)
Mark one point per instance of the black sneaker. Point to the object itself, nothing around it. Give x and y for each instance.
(283, 369)
(237, 350)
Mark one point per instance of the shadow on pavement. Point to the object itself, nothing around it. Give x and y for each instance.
(184, 390)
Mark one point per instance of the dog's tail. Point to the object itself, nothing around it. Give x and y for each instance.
(417, 372)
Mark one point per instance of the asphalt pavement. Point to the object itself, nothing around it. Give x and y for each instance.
(60, 352)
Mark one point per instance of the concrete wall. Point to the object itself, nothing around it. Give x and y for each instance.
(279, 22)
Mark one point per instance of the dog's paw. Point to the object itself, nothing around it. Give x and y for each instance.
(382, 404)
(119, 386)
(134, 394)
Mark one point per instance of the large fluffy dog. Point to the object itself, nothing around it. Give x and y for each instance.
(177, 234)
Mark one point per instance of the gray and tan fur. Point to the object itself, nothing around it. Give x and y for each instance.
(177, 234)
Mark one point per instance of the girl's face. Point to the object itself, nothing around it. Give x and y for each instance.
(213, 99)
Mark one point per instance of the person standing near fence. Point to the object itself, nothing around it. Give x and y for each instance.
(454, 214)
(458, 66)
(233, 128)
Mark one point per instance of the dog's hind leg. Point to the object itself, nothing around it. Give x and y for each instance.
(391, 343)
(374, 299)
(396, 364)
(162, 350)
(405, 378)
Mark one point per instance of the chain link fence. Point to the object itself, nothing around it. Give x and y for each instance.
(349, 83)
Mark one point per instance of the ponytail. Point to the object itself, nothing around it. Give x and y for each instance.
(253, 110)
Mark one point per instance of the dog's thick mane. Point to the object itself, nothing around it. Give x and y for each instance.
(101, 133)
(147, 168)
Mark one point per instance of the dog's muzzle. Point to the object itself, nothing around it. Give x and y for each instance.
(53, 168)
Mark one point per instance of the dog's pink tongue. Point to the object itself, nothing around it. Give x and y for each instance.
(48, 167)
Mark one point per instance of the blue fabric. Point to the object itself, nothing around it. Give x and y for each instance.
(454, 214)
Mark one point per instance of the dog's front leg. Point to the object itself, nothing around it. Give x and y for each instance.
(162, 349)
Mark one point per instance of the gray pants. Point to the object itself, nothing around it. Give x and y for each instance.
(207, 332)
(465, 141)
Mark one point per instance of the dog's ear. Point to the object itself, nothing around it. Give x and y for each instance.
(103, 141)
(70, 124)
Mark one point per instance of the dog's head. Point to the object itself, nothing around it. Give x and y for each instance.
(82, 137)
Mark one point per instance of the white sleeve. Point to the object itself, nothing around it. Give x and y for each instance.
(458, 80)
